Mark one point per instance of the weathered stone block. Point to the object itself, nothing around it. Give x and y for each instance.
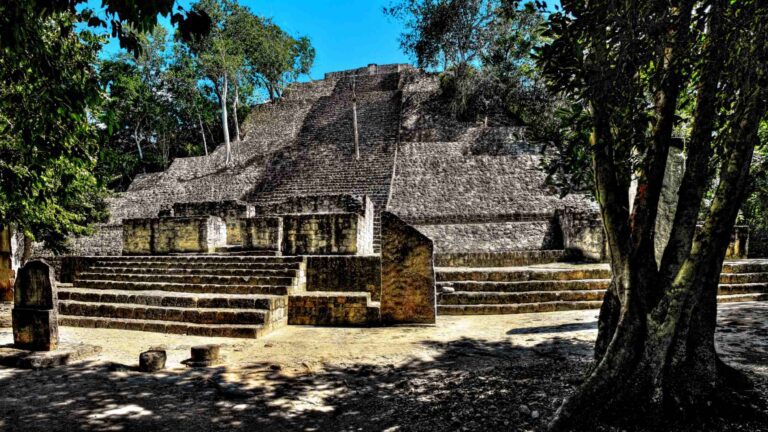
(330, 309)
(35, 286)
(195, 234)
(583, 235)
(262, 233)
(407, 273)
(345, 274)
(139, 236)
(36, 330)
(321, 234)
(204, 355)
(152, 360)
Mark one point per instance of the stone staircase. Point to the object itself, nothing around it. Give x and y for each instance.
(205, 295)
(558, 286)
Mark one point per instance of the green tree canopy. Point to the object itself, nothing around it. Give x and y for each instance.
(50, 98)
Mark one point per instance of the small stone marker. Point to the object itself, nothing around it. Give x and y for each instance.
(152, 360)
(35, 322)
(204, 356)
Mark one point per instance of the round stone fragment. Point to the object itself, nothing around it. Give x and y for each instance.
(152, 361)
(204, 355)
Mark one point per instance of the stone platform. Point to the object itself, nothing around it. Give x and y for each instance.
(564, 286)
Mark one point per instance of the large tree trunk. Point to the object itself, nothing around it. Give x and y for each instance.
(225, 121)
(655, 353)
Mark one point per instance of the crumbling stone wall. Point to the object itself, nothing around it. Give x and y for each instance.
(324, 234)
(230, 211)
(345, 274)
(407, 273)
(262, 233)
(329, 310)
(173, 235)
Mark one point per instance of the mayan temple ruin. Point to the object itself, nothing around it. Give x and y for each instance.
(356, 201)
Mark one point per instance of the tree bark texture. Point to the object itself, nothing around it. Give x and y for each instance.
(655, 356)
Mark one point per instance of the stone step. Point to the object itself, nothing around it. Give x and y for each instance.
(195, 271)
(502, 309)
(487, 298)
(744, 288)
(236, 250)
(210, 330)
(186, 279)
(202, 265)
(512, 274)
(524, 286)
(192, 258)
(185, 287)
(163, 313)
(751, 266)
(172, 299)
(498, 259)
(740, 278)
(741, 298)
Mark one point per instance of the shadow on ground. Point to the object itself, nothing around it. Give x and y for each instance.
(468, 385)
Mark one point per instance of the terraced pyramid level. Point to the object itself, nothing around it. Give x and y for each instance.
(205, 295)
(559, 286)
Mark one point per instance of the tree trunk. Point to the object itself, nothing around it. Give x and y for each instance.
(655, 357)
(225, 121)
(138, 142)
(202, 133)
(234, 114)
(26, 252)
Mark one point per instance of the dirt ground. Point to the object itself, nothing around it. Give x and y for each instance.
(479, 373)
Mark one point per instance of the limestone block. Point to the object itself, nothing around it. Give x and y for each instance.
(194, 234)
(321, 234)
(330, 309)
(152, 360)
(407, 273)
(262, 233)
(345, 274)
(204, 356)
(583, 235)
(139, 236)
(36, 330)
(35, 286)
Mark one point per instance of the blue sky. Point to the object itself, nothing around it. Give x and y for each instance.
(345, 33)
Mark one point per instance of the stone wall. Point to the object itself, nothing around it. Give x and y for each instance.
(139, 236)
(479, 203)
(407, 273)
(262, 233)
(493, 237)
(345, 274)
(758, 243)
(583, 235)
(330, 309)
(314, 204)
(173, 235)
(231, 212)
(323, 234)
(194, 234)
